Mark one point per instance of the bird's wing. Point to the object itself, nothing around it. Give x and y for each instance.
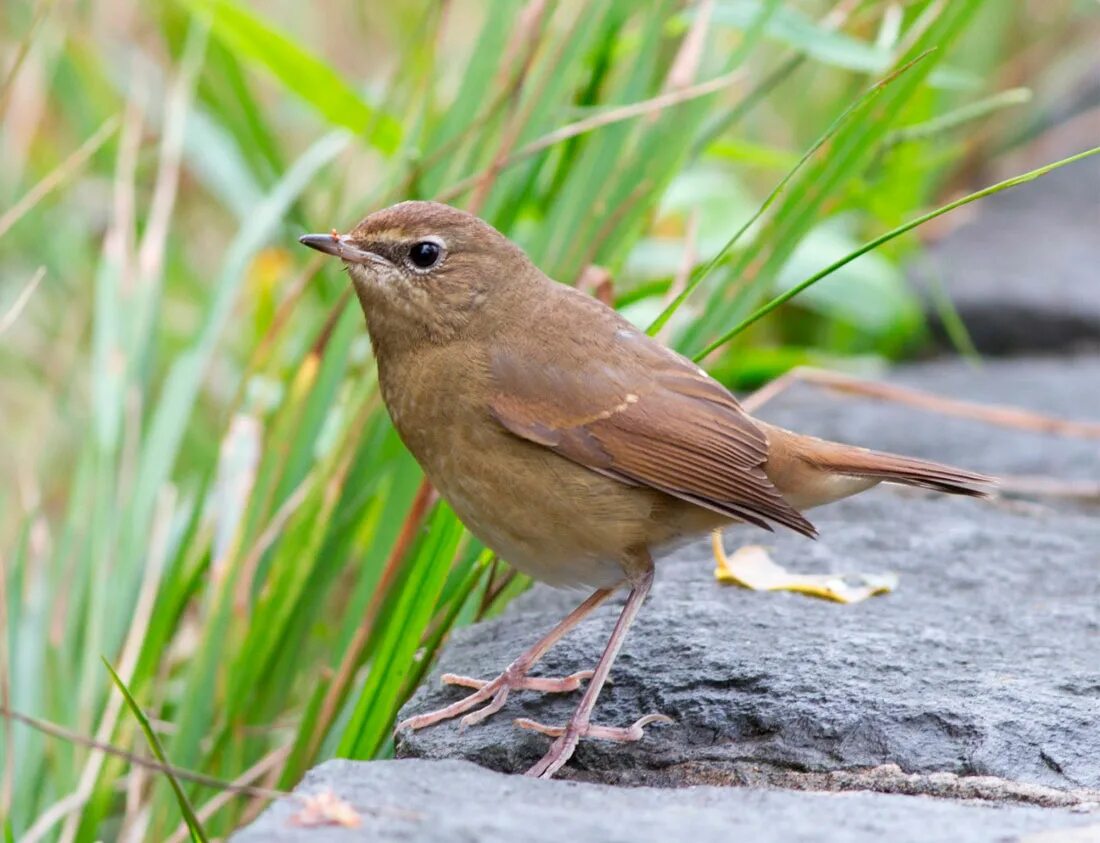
(649, 418)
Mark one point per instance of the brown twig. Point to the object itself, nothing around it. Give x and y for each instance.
(598, 283)
(688, 57)
(598, 121)
(8, 319)
(60, 732)
(261, 768)
(483, 604)
(493, 592)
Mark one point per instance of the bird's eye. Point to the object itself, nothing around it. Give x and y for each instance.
(425, 254)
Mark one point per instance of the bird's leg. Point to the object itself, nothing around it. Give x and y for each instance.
(495, 692)
(580, 725)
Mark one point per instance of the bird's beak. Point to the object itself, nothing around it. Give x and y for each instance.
(340, 246)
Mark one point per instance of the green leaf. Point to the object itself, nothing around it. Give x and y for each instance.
(869, 292)
(317, 83)
(886, 238)
(795, 29)
(841, 122)
(829, 46)
(847, 155)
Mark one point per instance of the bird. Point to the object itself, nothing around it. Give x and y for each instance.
(569, 442)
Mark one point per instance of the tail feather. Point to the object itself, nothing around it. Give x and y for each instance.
(909, 471)
(810, 472)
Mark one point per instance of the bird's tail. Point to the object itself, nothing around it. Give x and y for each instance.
(909, 471)
(810, 471)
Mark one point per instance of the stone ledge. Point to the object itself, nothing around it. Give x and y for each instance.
(1022, 272)
(451, 800)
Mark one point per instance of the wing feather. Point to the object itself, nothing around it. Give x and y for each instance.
(656, 421)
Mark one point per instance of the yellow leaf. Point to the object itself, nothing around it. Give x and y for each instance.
(752, 567)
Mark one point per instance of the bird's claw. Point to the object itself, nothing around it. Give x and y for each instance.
(624, 734)
(566, 739)
(494, 693)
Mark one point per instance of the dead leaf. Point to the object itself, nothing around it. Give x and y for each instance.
(325, 808)
(752, 567)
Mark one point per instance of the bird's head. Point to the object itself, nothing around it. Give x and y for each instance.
(424, 271)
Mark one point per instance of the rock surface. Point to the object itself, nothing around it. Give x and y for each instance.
(450, 800)
(1024, 272)
(984, 662)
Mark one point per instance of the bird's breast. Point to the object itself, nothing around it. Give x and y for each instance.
(551, 518)
(556, 520)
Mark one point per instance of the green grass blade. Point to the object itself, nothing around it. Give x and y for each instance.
(958, 117)
(794, 29)
(368, 727)
(316, 82)
(886, 238)
(193, 824)
(850, 152)
(700, 274)
(953, 324)
(181, 389)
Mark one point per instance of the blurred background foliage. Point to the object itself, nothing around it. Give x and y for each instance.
(200, 482)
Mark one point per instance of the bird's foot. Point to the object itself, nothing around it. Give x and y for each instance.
(624, 734)
(494, 693)
(567, 737)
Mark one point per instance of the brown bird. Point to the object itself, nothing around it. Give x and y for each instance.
(569, 442)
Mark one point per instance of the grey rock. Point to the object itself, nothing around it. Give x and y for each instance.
(455, 801)
(1024, 273)
(984, 662)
